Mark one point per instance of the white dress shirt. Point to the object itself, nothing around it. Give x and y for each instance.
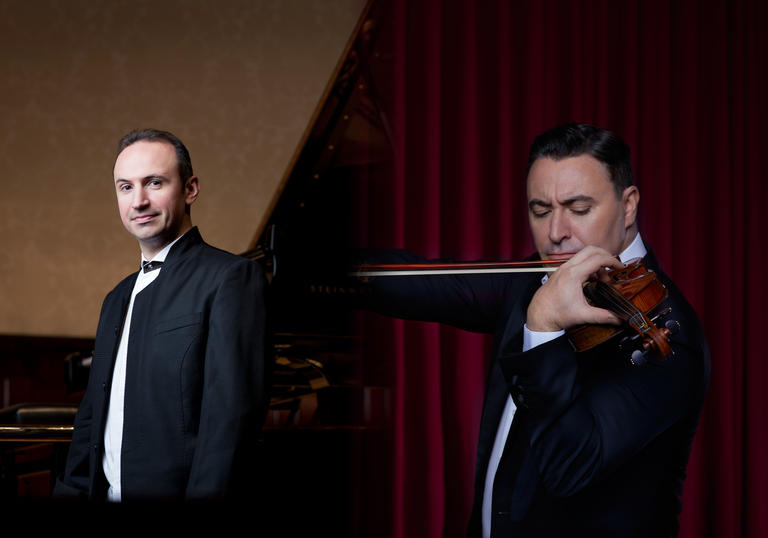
(113, 431)
(531, 339)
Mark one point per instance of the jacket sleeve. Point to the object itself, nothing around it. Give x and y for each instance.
(76, 479)
(469, 302)
(235, 398)
(582, 427)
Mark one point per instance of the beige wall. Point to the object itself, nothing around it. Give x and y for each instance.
(237, 80)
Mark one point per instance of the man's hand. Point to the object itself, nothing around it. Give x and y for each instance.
(560, 303)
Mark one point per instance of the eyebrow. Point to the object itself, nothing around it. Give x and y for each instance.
(568, 201)
(145, 178)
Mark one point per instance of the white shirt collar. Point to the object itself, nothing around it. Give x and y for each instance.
(636, 249)
(160, 256)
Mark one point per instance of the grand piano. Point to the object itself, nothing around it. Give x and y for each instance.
(329, 418)
(326, 437)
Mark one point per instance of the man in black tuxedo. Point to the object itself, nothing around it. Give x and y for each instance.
(571, 443)
(177, 393)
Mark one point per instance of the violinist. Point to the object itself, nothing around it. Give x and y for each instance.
(571, 443)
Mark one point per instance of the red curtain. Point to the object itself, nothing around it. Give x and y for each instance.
(685, 84)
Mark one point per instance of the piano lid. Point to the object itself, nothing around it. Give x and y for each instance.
(312, 212)
(304, 240)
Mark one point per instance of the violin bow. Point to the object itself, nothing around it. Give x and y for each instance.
(458, 268)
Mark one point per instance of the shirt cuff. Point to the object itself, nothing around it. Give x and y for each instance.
(532, 339)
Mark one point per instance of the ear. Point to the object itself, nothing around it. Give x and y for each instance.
(191, 190)
(630, 198)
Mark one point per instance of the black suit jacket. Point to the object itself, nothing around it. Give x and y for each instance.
(195, 388)
(598, 447)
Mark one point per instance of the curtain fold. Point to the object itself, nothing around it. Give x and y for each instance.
(684, 83)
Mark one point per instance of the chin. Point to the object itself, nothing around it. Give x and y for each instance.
(146, 236)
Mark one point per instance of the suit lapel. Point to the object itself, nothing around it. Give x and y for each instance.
(511, 334)
(108, 340)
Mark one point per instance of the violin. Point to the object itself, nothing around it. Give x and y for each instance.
(630, 293)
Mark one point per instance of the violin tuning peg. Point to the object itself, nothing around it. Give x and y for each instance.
(638, 357)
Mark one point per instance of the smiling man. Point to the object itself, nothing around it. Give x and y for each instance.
(571, 443)
(176, 394)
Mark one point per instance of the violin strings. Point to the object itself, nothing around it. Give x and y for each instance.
(607, 297)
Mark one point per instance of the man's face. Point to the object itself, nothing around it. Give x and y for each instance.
(150, 196)
(572, 203)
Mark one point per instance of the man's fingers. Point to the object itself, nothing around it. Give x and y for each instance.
(601, 315)
(589, 261)
(560, 302)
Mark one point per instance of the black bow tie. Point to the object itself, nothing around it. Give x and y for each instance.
(150, 266)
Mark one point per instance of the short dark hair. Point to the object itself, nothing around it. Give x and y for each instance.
(156, 135)
(574, 139)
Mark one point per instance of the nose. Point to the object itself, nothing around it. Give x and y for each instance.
(559, 228)
(139, 199)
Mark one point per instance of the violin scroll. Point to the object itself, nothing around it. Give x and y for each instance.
(638, 356)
